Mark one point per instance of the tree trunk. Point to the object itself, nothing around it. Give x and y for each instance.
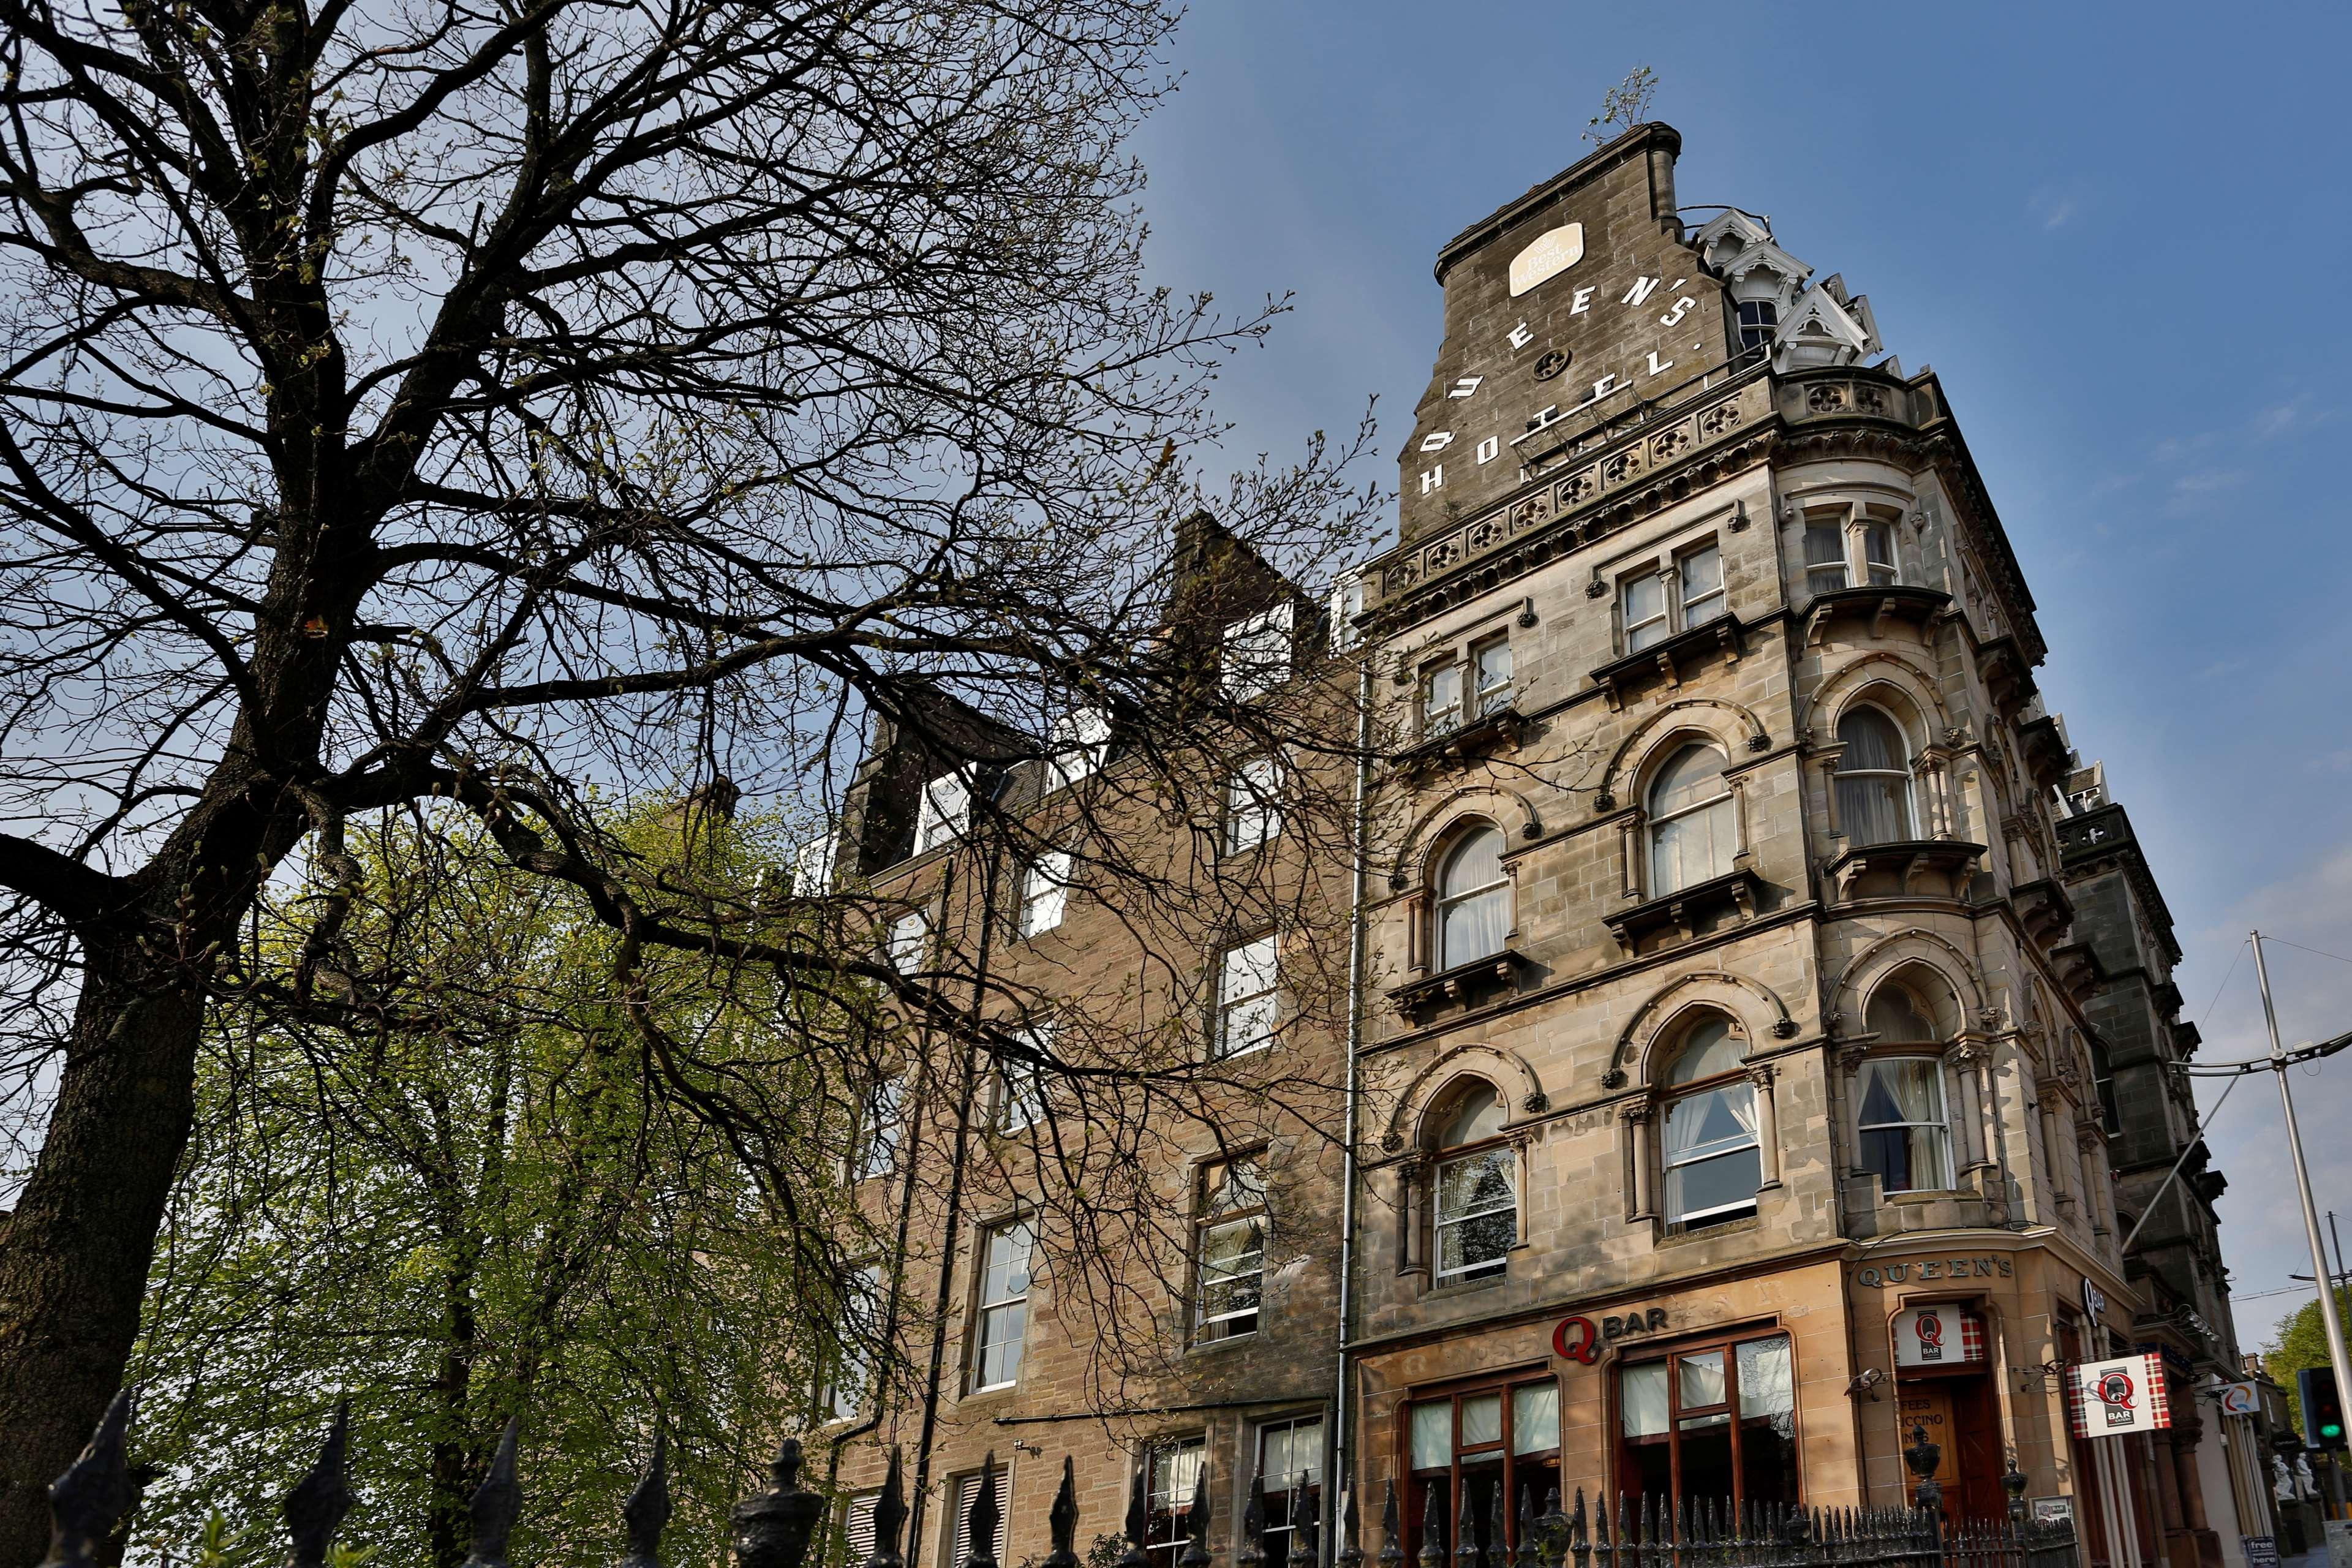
(74, 1258)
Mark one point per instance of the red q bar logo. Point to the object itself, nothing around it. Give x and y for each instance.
(1930, 1330)
(2116, 1392)
(1576, 1340)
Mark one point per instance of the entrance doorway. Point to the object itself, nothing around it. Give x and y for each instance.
(1963, 1420)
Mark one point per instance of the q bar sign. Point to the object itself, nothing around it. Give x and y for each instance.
(2112, 1398)
(1937, 1336)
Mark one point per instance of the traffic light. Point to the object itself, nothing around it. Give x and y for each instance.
(2322, 1408)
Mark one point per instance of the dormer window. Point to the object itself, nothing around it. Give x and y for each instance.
(1759, 319)
(945, 810)
(1257, 655)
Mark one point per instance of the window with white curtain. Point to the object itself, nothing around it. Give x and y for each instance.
(1474, 901)
(1692, 835)
(1713, 1165)
(1825, 564)
(1873, 780)
(1478, 1210)
(1906, 1141)
(1171, 1475)
(1247, 973)
(1878, 555)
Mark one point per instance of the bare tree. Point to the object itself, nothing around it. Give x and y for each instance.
(512, 405)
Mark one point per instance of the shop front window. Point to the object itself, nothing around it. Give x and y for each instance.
(1472, 1442)
(1711, 1423)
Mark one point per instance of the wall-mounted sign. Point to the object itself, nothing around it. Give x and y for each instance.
(2112, 1398)
(1553, 253)
(1937, 1336)
(2054, 1510)
(2239, 1399)
(1928, 1270)
(2094, 1301)
(1581, 1339)
(2262, 1550)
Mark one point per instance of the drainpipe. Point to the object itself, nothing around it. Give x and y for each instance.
(1342, 1445)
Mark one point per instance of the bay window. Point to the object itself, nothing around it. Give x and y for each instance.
(1825, 567)
(1873, 779)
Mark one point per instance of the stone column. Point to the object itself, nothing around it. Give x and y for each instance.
(1410, 1238)
(2094, 1200)
(1767, 1127)
(1971, 1060)
(1828, 756)
(2053, 1167)
(1849, 1062)
(1637, 1137)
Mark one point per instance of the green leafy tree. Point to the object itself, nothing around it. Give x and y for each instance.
(2302, 1341)
(484, 1209)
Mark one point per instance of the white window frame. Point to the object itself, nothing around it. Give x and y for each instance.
(1018, 1087)
(945, 811)
(1722, 1148)
(1501, 1155)
(1253, 804)
(813, 866)
(1886, 573)
(1728, 800)
(1290, 1483)
(882, 1124)
(1081, 744)
(1256, 656)
(1758, 333)
(1810, 523)
(991, 1311)
(843, 1393)
(1217, 1218)
(908, 945)
(1488, 693)
(1045, 892)
(1436, 718)
(1237, 994)
(1450, 898)
(1185, 1454)
(1665, 567)
(1941, 1121)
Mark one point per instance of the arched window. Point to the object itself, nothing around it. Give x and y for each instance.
(1713, 1165)
(1691, 830)
(1900, 1112)
(1474, 901)
(1477, 1187)
(1873, 780)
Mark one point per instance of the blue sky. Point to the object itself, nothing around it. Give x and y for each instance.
(2115, 232)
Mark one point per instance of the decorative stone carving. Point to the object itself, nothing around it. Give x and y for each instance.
(1785, 1028)
(1536, 1104)
(1553, 361)
(1392, 1142)
(1669, 444)
(1759, 742)
(1823, 398)
(1622, 467)
(1486, 534)
(1724, 417)
(1580, 488)
(1441, 554)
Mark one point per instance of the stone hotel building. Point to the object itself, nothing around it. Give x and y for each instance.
(1761, 1027)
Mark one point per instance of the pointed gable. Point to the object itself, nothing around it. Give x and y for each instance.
(1818, 331)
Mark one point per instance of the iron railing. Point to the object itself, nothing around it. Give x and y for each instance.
(777, 1528)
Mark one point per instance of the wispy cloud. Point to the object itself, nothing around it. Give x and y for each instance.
(2188, 491)
(2052, 206)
